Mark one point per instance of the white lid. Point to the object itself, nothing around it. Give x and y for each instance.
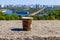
(27, 18)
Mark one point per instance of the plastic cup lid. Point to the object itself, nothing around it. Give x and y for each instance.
(27, 18)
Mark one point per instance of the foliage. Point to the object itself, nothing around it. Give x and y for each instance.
(9, 17)
(52, 14)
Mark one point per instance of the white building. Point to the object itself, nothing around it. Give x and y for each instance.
(2, 6)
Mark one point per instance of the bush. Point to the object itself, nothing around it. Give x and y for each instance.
(12, 17)
(2, 17)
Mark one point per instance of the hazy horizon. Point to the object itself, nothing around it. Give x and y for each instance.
(30, 2)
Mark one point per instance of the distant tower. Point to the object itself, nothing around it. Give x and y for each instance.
(0, 6)
(37, 5)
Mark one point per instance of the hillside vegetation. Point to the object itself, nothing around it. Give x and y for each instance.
(52, 14)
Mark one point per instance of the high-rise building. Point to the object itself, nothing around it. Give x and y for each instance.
(0, 6)
(37, 5)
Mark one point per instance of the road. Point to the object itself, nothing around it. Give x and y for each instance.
(36, 12)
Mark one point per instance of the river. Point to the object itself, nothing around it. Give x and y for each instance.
(21, 13)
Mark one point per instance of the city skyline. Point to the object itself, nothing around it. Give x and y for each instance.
(29, 2)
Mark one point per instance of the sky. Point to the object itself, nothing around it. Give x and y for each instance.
(29, 2)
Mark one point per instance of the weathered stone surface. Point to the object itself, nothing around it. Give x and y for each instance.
(37, 38)
(27, 38)
(41, 30)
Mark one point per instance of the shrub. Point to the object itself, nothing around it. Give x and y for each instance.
(2, 17)
(12, 17)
